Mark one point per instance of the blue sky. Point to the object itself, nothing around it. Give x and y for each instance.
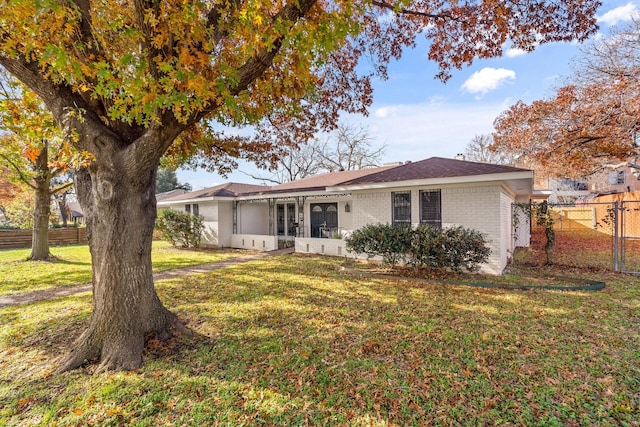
(418, 117)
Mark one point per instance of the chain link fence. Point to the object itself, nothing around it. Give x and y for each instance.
(629, 215)
(583, 234)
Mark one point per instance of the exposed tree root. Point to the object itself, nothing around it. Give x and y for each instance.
(117, 352)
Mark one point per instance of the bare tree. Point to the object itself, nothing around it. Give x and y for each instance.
(479, 149)
(347, 148)
(296, 163)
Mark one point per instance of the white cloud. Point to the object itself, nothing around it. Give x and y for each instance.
(385, 111)
(512, 52)
(487, 79)
(619, 14)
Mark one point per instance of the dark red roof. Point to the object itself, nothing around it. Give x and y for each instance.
(322, 181)
(434, 167)
(230, 189)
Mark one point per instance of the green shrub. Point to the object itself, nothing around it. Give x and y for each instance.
(390, 242)
(428, 248)
(6, 225)
(465, 248)
(454, 248)
(180, 228)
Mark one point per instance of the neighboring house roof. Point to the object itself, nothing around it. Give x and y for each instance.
(7, 188)
(230, 189)
(169, 194)
(75, 209)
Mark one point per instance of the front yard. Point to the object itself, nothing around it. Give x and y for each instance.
(73, 266)
(297, 340)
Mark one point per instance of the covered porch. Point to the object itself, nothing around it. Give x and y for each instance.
(306, 222)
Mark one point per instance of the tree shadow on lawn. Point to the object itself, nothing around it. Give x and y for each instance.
(259, 325)
(277, 343)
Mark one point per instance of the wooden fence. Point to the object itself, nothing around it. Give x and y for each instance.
(11, 239)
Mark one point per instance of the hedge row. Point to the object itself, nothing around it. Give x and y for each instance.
(455, 248)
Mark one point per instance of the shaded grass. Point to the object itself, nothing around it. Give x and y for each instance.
(72, 265)
(295, 340)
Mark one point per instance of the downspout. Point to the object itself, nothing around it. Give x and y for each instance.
(235, 217)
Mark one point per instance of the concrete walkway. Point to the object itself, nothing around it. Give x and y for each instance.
(49, 294)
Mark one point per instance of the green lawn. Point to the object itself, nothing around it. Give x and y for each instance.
(73, 265)
(294, 340)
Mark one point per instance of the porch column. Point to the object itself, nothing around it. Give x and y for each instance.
(271, 211)
(301, 229)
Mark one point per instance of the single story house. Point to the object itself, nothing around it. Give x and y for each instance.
(313, 214)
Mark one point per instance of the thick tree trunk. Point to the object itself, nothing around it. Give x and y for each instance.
(42, 209)
(120, 210)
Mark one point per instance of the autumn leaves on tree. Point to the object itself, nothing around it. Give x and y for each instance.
(589, 123)
(35, 153)
(131, 81)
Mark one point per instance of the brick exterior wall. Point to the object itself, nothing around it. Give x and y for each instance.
(486, 208)
(371, 208)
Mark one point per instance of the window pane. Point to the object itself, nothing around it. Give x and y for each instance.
(196, 209)
(401, 208)
(280, 219)
(431, 208)
(187, 208)
(291, 219)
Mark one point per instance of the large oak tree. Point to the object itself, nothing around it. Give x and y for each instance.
(133, 80)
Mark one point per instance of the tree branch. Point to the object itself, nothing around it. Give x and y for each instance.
(142, 7)
(61, 187)
(405, 11)
(214, 16)
(70, 109)
(21, 175)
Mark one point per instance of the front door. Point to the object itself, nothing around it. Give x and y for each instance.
(324, 219)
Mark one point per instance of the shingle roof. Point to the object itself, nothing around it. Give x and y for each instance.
(169, 194)
(320, 182)
(230, 189)
(434, 167)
